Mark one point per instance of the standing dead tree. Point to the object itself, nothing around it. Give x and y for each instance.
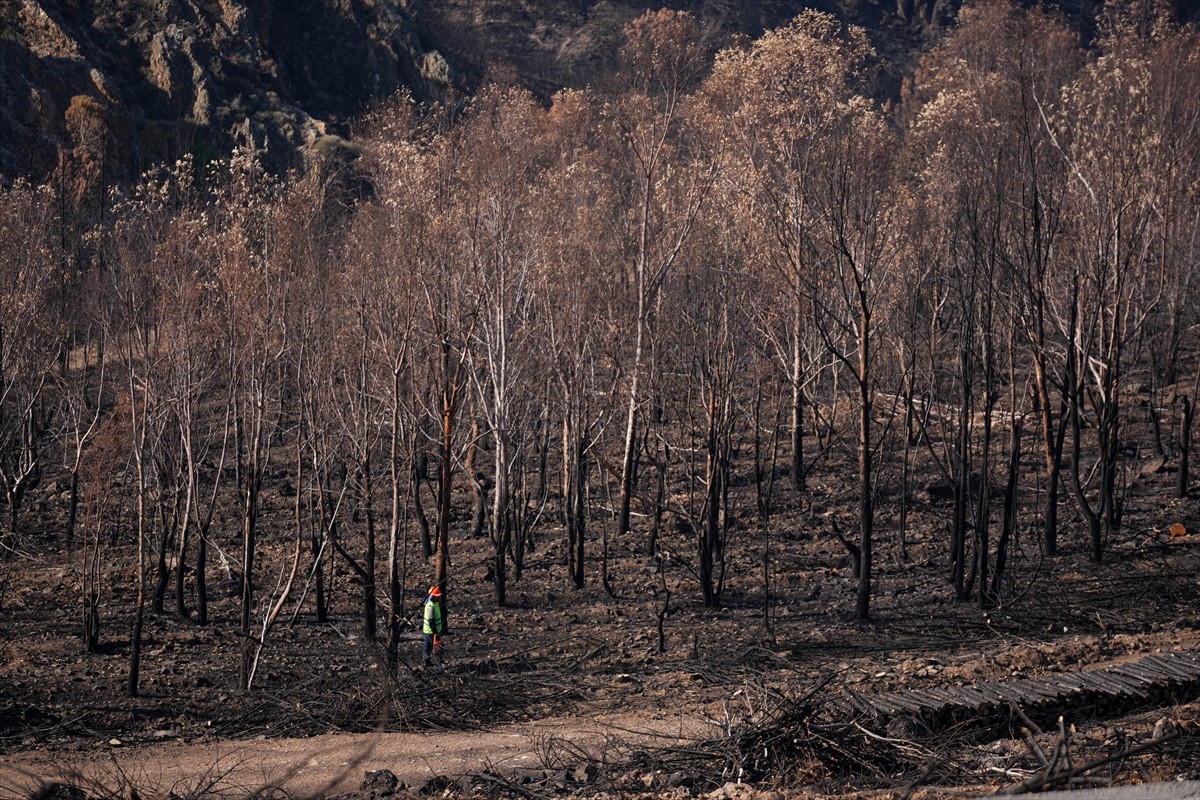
(29, 345)
(662, 59)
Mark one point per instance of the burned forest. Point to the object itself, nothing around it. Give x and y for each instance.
(760, 434)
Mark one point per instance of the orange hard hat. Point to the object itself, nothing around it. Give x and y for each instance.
(435, 592)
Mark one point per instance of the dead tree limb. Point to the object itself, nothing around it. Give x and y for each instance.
(851, 548)
(1048, 778)
(920, 779)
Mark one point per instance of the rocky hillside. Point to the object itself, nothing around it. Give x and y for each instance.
(158, 78)
(168, 76)
(553, 43)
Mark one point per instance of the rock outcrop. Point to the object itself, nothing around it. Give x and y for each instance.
(198, 75)
(166, 77)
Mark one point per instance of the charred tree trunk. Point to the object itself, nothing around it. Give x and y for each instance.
(370, 611)
(249, 537)
(1053, 439)
(395, 593)
(162, 573)
(983, 517)
(1109, 428)
(480, 485)
(417, 472)
(139, 609)
(72, 509)
(797, 409)
(1182, 478)
(501, 517)
(660, 497)
(910, 439)
(574, 500)
(316, 543)
(709, 538)
(201, 581)
(1075, 421)
(478, 488)
(183, 543)
(91, 623)
(962, 486)
(604, 579)
(1009, 525)
(866, 488)
(579, 523)
(627, 463)
(446, 474)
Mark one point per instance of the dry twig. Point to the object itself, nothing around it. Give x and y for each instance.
(1050, 777)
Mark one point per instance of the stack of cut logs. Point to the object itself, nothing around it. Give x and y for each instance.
(1150, 680)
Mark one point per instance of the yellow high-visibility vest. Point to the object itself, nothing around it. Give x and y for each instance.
(433, 617)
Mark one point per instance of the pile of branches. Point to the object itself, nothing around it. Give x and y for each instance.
(788, 740)
(794, 741)
(1057, 768)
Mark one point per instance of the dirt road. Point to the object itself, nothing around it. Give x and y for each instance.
(321, 765)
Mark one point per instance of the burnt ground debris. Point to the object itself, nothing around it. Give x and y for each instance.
(760, 674)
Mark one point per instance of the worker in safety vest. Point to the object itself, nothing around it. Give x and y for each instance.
(435, 626)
